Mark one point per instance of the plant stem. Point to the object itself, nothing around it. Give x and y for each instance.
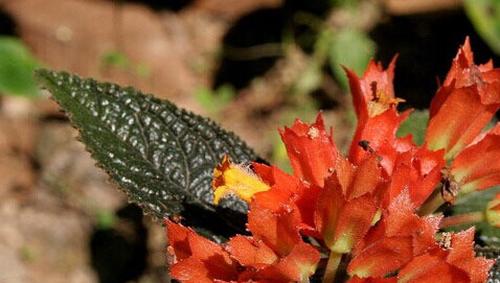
(331, 267)
(432, 204)
(454, 220)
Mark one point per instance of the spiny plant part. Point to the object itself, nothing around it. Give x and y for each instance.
(382, 213)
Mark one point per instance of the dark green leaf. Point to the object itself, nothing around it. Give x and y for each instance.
(160, 155)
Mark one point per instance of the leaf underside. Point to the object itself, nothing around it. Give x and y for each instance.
(162, 156)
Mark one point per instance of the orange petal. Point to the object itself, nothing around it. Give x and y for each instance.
(465, 103)
(297, 266)
(459, 121)
(378, 131)
(366, 179)
(311, 150)
(196, 259)
(251, 252)
(193, 270)
(394, 241)
(456, 263)
(177, 236)
(428, 267)
(355, 218)
(287, 189)
(477, 166)
(418, 171)
(330, 203)
(381, 258)
(374, 92)
(277, 229)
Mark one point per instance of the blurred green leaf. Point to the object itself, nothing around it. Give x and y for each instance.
(485, 16)
(350, 48)
(415, 125)
(477, 201)
(16, 68)
(115, 59)
(215, 100)
(121, 61)
(280, 156)
(143, 70)
(309, 81)
(105, 219)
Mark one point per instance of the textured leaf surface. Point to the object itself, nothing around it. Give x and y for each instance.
(160, 155)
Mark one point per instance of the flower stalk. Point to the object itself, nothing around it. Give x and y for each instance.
(332, 267)
(433, 203)
(460, 219)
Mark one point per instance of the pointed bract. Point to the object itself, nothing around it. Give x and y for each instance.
(464, 104)
(398, 237)
(378, 119)
(196, 259)
(348, 204)
(311, 150)
(477, 167)
(455, 263)
(417, 170)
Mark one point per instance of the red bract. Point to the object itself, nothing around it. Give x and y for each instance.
(361, 209)
(417, 170)
(195, 259)
(311, 150)
(465, 103)
(452, 262)
(263, 258)
(398, 237)
(288, 190)
(378, 119)
(348, 203)
(477, 167)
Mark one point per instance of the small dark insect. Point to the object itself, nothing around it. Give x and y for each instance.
(364, 144)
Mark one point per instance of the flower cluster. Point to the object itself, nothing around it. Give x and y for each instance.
(367, 216)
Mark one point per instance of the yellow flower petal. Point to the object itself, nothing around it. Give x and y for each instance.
(230, 178)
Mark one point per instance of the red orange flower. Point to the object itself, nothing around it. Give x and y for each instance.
(464, 104)
(363, 205)
(398, 237)
(452, 262)
(348, 204)
(378, 119)
(311, 150)
(477, 167)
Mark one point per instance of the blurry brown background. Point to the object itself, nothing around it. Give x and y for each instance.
(252, 65)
